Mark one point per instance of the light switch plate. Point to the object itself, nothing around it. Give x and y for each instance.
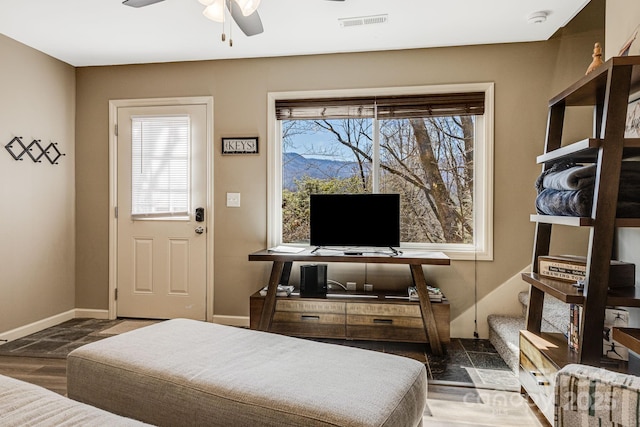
(233, 200)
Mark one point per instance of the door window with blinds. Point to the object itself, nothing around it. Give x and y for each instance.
(160, 159)
(431, 148)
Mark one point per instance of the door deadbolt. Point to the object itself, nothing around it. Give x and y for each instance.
(199, 214)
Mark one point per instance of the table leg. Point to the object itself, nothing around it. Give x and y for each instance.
(428, 318)
(269, 305)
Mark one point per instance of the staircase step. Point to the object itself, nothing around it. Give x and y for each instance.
(504, 330)
(555, 313)
(504, 333)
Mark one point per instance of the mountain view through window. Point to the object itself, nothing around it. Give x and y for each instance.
(429, 161)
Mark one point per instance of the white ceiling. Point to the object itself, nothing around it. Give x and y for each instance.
(105, 32)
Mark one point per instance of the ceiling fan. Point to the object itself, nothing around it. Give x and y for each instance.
(243, 12)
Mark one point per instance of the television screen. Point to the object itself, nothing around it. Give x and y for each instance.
(355, 220)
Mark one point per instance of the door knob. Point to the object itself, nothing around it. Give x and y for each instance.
(199, 230)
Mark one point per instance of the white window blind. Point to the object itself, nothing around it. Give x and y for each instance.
(160, 166)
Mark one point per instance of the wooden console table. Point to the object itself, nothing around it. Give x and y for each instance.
(281, 270)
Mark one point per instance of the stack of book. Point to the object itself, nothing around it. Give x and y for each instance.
(573, 269)
(435, 294)
(613, 317)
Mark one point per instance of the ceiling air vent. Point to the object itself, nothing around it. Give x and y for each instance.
(363, 20)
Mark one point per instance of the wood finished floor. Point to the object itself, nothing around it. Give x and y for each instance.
(449, 406)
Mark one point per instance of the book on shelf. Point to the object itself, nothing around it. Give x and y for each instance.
(573, 337)
(283, 291)
(613, 317)
(435, 294)
(572, 268)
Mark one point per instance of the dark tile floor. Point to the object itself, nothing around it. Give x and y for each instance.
(57, 341)
(471, 362)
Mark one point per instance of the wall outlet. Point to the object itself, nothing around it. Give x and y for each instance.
(368, 287)
(233, 200)
(351, 286)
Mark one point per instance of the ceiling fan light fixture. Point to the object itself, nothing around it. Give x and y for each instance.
(247, 7)
(215, 11)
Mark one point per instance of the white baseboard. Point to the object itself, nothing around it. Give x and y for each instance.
(54, 320)
(37, 326)
(231, 320)
(92, 313)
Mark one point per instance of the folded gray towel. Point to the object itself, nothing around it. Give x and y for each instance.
(574, 178)
(569, 175)
(580, 202)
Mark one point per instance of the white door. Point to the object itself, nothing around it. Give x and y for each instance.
(161, 184)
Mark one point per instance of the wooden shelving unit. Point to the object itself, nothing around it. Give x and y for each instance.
(607, 90)
(566, 292)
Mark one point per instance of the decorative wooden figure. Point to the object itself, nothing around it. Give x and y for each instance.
(597, 58)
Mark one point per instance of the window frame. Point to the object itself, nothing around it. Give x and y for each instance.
(181, 215)
(482, 247)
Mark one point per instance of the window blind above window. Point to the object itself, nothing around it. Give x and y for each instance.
(160, 166)
(398, 107)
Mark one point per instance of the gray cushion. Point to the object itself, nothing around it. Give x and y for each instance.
(23, 404)
(186, 372)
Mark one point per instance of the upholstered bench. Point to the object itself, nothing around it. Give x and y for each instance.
(185, 372)
(23, 404)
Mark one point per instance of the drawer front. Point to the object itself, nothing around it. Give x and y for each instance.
(542, 365)
(308, 318)
(386, 332)
(373, 309)
(542, 395)
(385, 322)
(397, 321)
(309, 324)
(310, 306)
(302, 329)
(317, 325)
(540, 378)
(537, 375)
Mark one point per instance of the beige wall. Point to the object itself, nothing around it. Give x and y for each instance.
(37, 212)
(525, 76)
(41, 96)
(622, 18)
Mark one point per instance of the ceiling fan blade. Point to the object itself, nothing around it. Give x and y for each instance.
(140, 3)
(250, 25)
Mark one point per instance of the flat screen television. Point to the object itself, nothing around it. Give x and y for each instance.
(369, 220)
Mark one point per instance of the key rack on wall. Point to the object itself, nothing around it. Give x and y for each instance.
(18, 149)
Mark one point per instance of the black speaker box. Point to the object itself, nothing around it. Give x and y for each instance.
(313, 280)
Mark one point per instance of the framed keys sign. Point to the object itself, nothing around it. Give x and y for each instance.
(240, 145)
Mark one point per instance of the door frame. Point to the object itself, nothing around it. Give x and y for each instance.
(113, 190)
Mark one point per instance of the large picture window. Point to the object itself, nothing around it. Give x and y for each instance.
(432, 145)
